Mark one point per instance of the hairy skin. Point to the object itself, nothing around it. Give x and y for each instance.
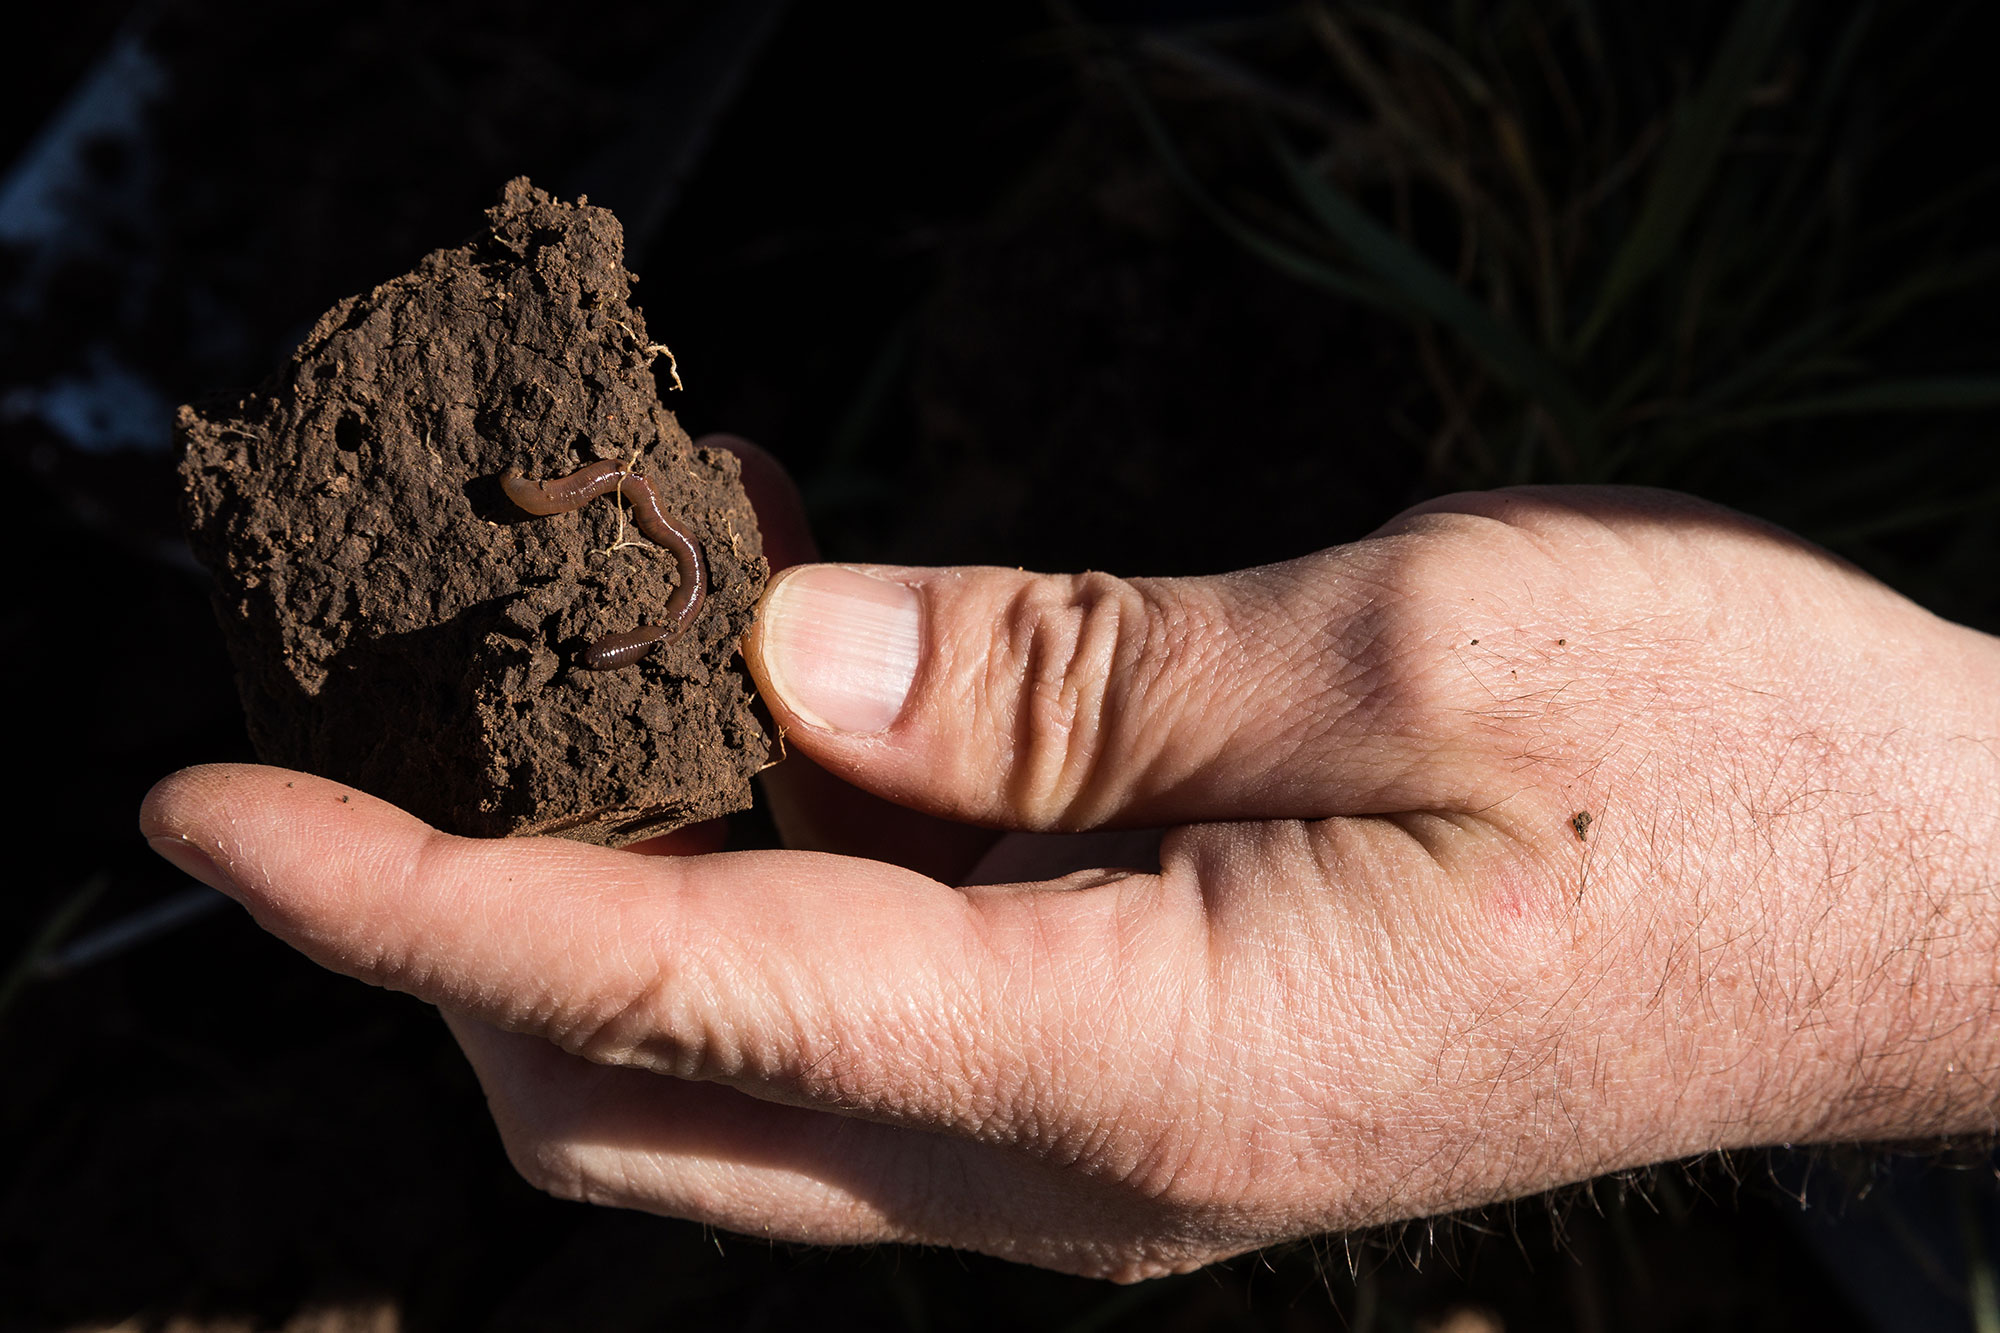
(1355, 958)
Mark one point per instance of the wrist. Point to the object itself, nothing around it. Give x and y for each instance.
(1784, 925)
(1898, 945)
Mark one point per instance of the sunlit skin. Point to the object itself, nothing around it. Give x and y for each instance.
(1286, 921)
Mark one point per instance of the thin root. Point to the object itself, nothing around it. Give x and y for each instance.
(673, 366)
(620, 542)
(781, 748)
(653, 351)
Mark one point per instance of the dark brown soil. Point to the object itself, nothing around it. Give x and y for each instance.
(398, 624)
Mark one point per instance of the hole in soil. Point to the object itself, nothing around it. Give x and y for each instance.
(347, 433)
(531, 400)
(543, 237)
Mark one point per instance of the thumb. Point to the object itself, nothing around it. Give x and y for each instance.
(1037, 701)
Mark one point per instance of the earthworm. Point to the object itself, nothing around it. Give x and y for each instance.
(579, 488)
(562, 494)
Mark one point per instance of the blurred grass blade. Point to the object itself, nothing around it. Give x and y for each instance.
(1943, 279)
(1688, 161)
(1833, 82)
(1430, 292)
(1982, 1286)
(1268, 248)
(1906, 519)
(1944, 393)
(1779, 358)
(52, 933)
(1826, 116)
(1423, 42)
(130, 931)
(1946, 203)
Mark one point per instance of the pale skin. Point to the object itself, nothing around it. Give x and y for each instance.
(1370, 970)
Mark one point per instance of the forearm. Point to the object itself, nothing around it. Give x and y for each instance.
(1823, 926)
(1922, 980)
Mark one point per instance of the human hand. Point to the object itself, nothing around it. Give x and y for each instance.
(1375, 966)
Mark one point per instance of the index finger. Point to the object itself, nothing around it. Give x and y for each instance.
(797, 976)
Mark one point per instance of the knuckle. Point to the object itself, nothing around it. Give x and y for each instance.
(664, 1024)
(1074, 653)
(1458, 642)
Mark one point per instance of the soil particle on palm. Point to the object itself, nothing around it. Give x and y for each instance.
(397, 624)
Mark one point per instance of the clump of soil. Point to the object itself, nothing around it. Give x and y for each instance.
(398, 624)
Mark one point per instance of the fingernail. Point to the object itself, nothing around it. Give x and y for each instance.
(839, 647)
(193, 861)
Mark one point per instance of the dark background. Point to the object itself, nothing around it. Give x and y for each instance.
(931, 257)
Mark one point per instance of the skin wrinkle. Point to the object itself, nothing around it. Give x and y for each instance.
(1400, 693)
(923, 1039)
(391, 962)
(1029, 1105)
(1066, 650)
(1102, 1150)
(1168, 666)
(725, 1195)
(1182, 1073)
(852, 1049)
(1041, 1104)
(1000, 1092)
(1272, 996)
(1056, 752)
(1285, 733)
(652, 1029)
(1016, 982)
(1276, 981)
(620, 1033)
(987, 1094)
(856, 1072)
(1181, 678)
(672, 1010)
(559, 1169)
(1337, 717)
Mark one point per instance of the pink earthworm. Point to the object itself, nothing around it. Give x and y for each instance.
(562, 494)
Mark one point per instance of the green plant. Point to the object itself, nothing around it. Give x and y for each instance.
(1715, 247)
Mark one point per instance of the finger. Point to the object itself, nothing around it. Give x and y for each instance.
(711, 1154)
(699, 1151)
(814, 810)
(1336, 684)
(796, 976)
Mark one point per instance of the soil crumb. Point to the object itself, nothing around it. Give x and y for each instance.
(397, 624)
